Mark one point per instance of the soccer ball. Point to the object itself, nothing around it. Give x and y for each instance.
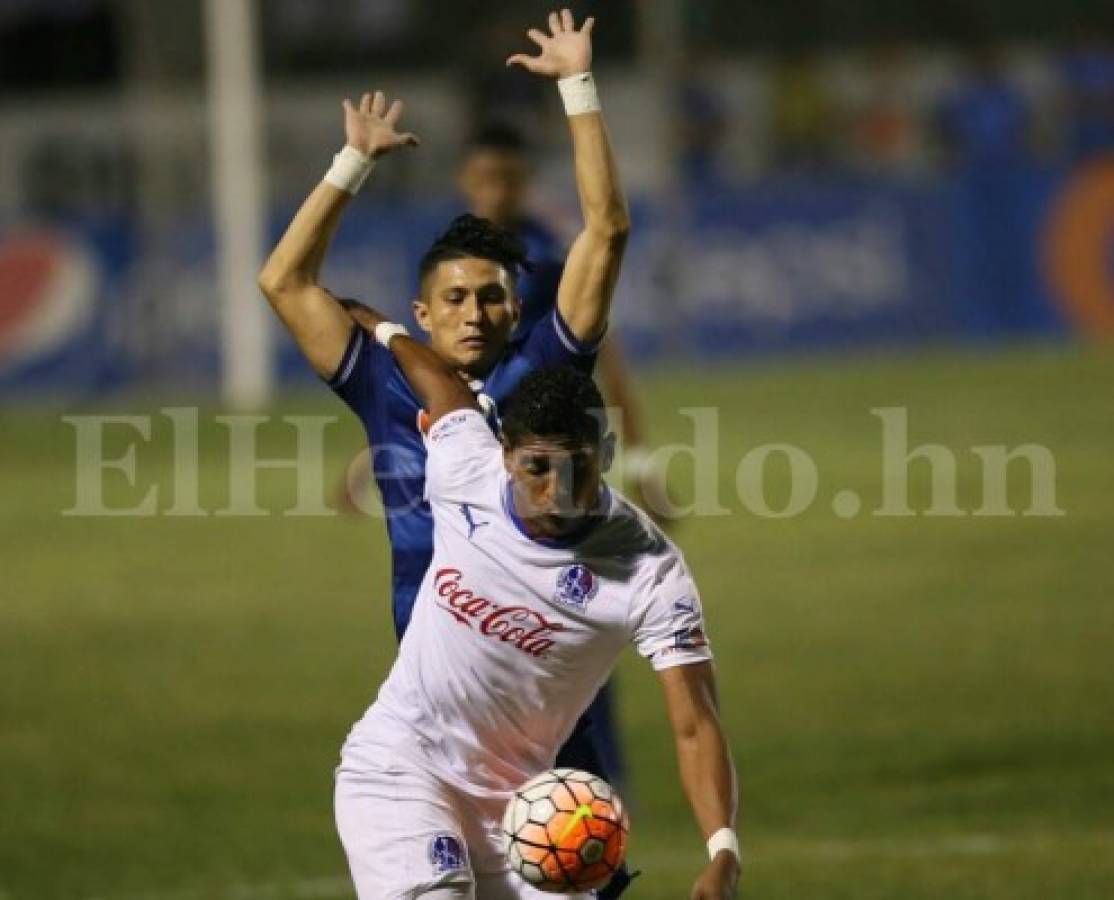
(566, 831)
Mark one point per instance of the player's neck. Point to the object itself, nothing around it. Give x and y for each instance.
(578, 528)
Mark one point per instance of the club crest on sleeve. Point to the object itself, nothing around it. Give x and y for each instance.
(576, 585)
(446, 852)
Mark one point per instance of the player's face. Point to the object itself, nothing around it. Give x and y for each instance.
(493, 183)
(555, 484)
(469, 308)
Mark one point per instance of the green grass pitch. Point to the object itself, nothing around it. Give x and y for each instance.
(920, 707)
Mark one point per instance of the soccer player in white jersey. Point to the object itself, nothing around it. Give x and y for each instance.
(540, 577)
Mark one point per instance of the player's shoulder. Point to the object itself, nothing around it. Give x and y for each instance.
(466, 423)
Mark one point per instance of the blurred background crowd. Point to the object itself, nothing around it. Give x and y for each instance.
(802, 174)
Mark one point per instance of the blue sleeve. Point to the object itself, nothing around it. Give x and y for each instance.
(551, 345)
(354, 381)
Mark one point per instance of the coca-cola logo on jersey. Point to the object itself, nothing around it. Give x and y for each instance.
(519, 626)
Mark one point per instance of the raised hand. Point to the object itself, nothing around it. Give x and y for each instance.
(372, 127)
(564, 51)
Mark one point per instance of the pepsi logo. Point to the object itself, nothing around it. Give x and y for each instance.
(47, 287)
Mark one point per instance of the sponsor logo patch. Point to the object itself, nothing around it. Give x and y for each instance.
(519, 626)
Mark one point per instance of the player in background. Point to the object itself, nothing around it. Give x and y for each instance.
(540, 578)
(467, 305)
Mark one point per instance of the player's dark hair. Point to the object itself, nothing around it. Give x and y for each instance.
(498, 135)
(555, 403)
(470, 237)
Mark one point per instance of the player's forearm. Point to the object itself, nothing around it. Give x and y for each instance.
(602, 202)
(296, 259)
(708, 776)
(440, 389)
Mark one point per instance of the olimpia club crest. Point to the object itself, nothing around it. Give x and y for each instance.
(576, 585)
(447, 853)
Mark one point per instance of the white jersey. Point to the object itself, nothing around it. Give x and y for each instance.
(511, 638)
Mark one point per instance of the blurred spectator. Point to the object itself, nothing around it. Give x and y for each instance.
(985, 125)
(496, 91)
(886, 132)
(700, 122)
(985, 122)
(1087, 69)
(803, 114)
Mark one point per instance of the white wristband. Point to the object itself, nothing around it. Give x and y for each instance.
(578, 92)
(384, 331)
(349, 170)
(724, 839)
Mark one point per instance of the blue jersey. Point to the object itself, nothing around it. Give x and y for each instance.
(371, 383)
(537, 289)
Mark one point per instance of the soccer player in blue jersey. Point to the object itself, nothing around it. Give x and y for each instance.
(468, 302)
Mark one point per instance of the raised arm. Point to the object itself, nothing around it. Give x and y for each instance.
(439, 387)
(318, 323)
(707, 772)
(592, 268)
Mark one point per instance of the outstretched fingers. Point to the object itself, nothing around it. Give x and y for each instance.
(567, 21)
(529, 63)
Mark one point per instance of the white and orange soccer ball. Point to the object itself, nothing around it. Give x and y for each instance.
(566, 831)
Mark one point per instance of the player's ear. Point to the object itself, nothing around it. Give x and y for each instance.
(607, 452)
(421, 314)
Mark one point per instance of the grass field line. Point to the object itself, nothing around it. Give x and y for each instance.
(821, 850)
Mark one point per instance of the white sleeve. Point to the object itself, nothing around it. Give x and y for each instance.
(668, 621)
(461, 453)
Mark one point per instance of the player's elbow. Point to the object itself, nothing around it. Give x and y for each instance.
(275, 282)
(612, 230)
(270, 282)
(609, 220)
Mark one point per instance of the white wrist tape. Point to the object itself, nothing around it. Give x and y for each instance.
(724, 839)
(384, 331)
(578, 92)
(349, 170)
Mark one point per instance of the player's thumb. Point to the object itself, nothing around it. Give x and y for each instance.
(521, 59)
